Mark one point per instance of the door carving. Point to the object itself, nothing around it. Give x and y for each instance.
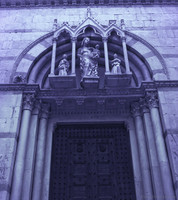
(91, 162)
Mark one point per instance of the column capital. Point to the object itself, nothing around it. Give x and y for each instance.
(123, 38)
(144, 105)
(54, 39)
(74, 39)
(135, 109)
(152, 99)
(45, 110)
(37, 107)
(28, 101)
(105, 39)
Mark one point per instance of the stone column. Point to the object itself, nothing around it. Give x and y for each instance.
(135, 160)
(74, 39)
(30, 156)
(154, 164)
(53, 59)
(144, 163)
(47, 168)
(107, 70)
(160, 146)
(126, 60)
(40, 154)
(18, 172)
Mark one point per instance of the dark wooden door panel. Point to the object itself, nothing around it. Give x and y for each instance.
(91, 162)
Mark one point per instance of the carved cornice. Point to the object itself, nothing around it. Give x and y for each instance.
(30, 3)
(152, 99)
(28, 101)
(135, 109)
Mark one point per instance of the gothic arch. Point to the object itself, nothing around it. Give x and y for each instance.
(146, 64)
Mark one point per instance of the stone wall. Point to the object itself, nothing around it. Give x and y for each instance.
(169, 111)
(155, 24)
(10, 109)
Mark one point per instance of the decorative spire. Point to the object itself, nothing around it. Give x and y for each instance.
(122, 24)
(55, 25)
(88, 12)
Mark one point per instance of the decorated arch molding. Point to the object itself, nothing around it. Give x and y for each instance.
(145, 61)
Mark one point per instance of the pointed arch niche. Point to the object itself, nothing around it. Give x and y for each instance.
(138, 58)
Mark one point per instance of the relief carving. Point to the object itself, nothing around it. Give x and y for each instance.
(28, 101)
(152, 99)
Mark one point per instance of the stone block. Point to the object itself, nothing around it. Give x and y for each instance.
(36, 50)
(142, 49)
(24, 65)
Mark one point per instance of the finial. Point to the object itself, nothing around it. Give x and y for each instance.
(55, 25)
(122, 24)
(88, 12)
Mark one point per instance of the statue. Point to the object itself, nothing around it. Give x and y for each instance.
(88, 58)
(63, 66)
(116, 69)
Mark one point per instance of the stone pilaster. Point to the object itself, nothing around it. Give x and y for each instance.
(30, 156)
(28, 100)
(40, 154)
(152, 153)
(144, 163)
(152, 100)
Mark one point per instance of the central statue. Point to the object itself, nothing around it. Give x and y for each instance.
(89, 57)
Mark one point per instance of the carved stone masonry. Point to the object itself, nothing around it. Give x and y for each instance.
(45, 110)
(135, 109)
(37, 107)
(152, 99)
(28, 101)
(144, 105)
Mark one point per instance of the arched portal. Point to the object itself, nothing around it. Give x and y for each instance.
(118, 90)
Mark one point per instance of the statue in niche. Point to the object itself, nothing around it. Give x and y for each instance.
(115, 63)
(63, 66)
(88, 58)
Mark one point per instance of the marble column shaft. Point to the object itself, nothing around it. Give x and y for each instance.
(154, 164)
(135, 160)
(30, 156)
(125, 55)
(160, 146)
(107, 70)
(21, 148)
(144, 163)
(40, 154)
(53, 59)
(47, 168)
(73, 55)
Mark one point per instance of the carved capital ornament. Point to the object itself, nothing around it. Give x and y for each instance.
(152, 99)
(135, 109)
(28, 101)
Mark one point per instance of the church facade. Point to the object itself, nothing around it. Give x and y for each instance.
(89, 100)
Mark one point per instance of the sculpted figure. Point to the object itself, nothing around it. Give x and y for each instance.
(116, 69)
(63, 66)
(88, 58)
